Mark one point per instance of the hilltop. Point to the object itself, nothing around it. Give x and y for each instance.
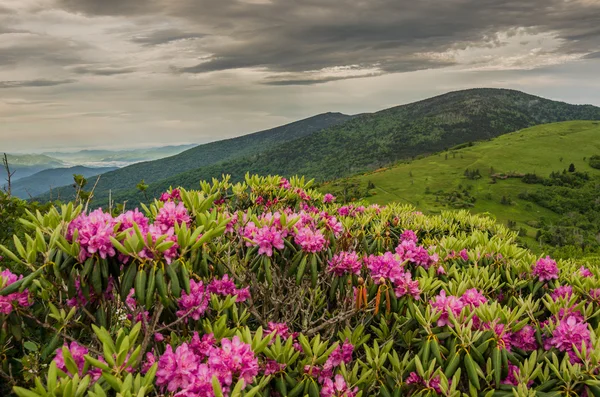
(370, 141)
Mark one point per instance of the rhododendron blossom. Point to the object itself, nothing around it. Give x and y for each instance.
(545, 269)
(310, 240)
(345, 263)
(337, 388)
(171, 214)
(18, 298)
(445, 305)
(78, 353)
(328, 198)
(195, 303)
(93, 234)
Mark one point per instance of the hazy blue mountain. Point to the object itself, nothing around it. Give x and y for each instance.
(118, 158)
(28, 164)
(46, 180)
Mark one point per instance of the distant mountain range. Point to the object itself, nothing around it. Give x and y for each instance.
(209, 154)
(46, 180)
(334, 145)
(117, 158)
(24, 165)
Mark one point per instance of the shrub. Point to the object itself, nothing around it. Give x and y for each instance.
(262, 288)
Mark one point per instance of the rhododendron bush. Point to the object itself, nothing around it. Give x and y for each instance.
(270, 288)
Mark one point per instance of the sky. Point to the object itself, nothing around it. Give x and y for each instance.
(138, 73)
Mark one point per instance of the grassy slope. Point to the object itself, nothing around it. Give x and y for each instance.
(377, 139)
(537, 149)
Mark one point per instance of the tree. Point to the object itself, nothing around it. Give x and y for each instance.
(571, 167)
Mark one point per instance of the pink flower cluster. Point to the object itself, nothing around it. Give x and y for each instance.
(337, 388)
(78, 353)
(562, 292)
(415, 379)
(226, 287)
(171, 214)
(545, 269)
(266, 238)
(93, 234)
(310, 240)
(570, 332)
(452, 304)
(328, 198)
(188, 371)
(350, 210)
(389, 267)
(408, 250)
(18, 298)
(345, 263)
(195, 303)
(174, 195)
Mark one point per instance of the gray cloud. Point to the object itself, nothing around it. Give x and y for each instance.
(165, 36)
(34, 83)
(393, 35)
(101, 71)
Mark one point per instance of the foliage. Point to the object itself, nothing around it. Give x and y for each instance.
(268, 287)
(595, 161)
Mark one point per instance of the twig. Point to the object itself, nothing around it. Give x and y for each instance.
(8, 174)
(336, 319)
(92, 193)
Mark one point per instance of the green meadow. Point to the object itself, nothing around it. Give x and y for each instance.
(540, 150)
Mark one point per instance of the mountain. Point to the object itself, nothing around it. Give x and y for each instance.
(40, 182)
(208, 154)
(373, 140)
(533, 180)
(118, 158)
(28, 164)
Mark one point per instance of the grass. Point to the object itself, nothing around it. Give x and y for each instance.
(541, 150)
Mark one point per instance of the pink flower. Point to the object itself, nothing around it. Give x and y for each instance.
(569, 333)
(546, 269)
(345, 263)
(171, 214)
(384, 266)
(177, 370)
(226, 287)
(337, 388)
(284, 184)
(234, 358)
(585, 272)
(408, 250)
(405, 285)
(149, 361)
(280, 329)
(409, 235)
(445, 305)
(310, 240)
(328, 198)
(18, 298)
(464, 255)
(78, 353)
(415, 379)
(513, 374)
(472, 297)
(202, 347)
(195, 303)
(175, 194)
(562, 292)
(93, 234)
(272, 367)
(268, 238)
(127, 219)
(524, 339)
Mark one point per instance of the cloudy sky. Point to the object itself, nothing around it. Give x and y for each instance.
(127, 73)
